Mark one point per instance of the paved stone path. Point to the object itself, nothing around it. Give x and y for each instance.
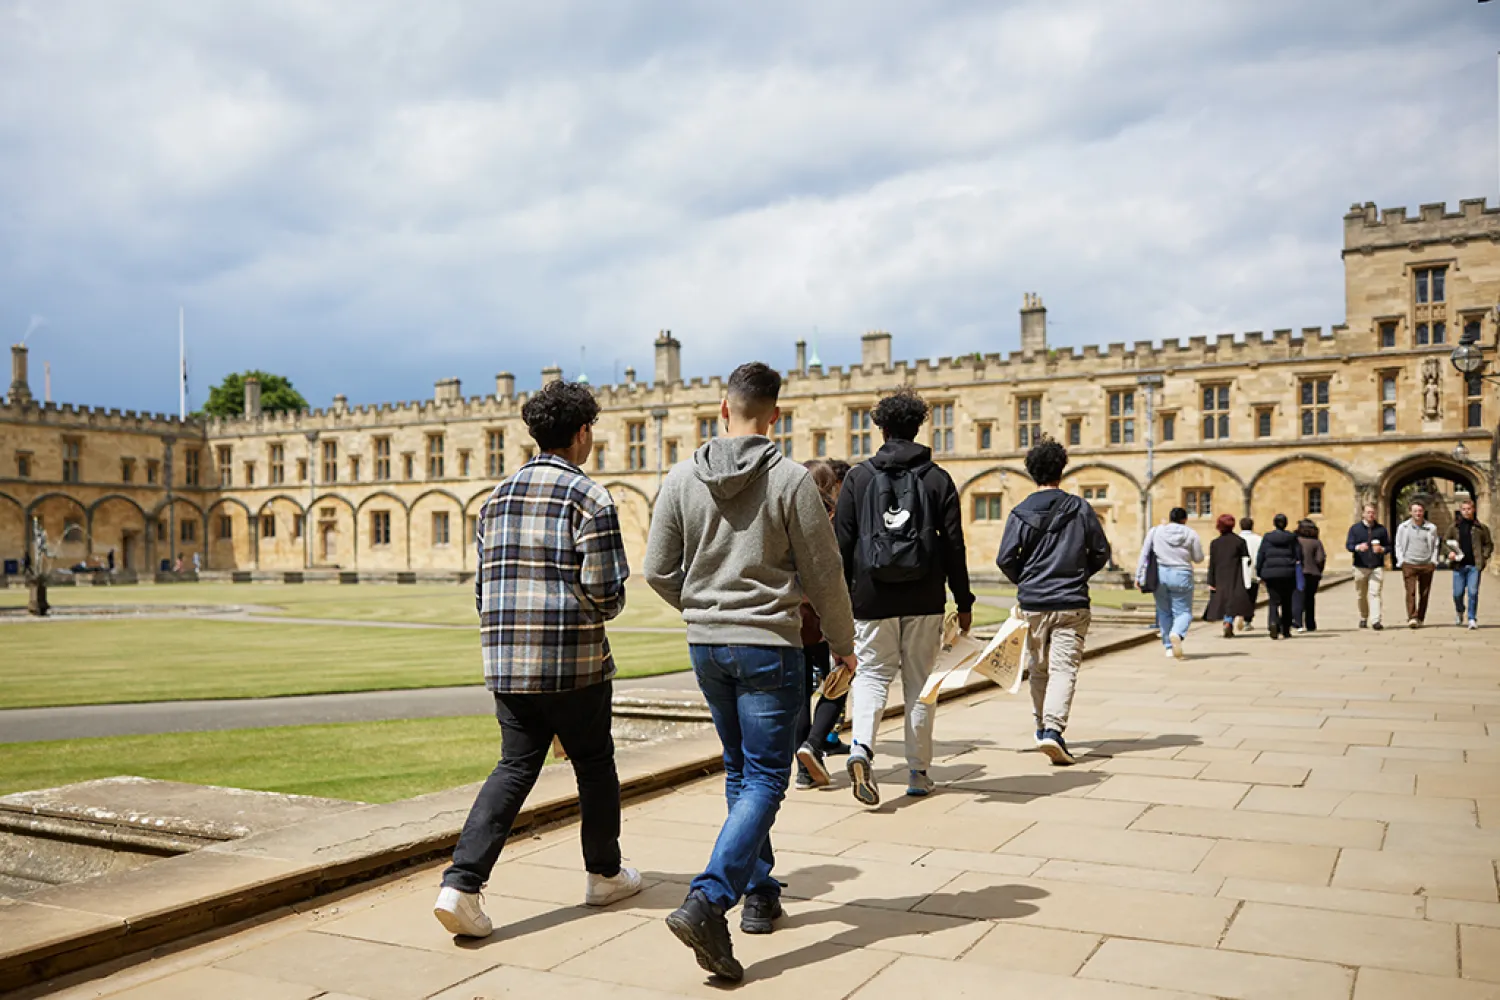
(1304, 820)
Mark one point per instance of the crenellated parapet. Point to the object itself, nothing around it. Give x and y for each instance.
(70, 416)
(1367, 228)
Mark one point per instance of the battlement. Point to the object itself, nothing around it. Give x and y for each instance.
(1369, 228)
(69, 416)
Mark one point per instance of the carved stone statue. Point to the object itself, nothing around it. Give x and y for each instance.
(1431, 389)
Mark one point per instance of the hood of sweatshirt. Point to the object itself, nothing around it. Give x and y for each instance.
(1176, 534)
(898, 454)
(727, 466)
(1048, 511)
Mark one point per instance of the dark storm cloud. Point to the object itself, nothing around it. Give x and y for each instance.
(371, 196)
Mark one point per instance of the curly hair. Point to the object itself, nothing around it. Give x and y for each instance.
(558, 412)
(840, 469)
(901, 414)
(1045, 461)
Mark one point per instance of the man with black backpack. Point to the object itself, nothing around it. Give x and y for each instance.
(900, 529)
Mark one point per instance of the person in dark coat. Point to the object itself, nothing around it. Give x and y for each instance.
(1228, 598)
(1276, 564)
(1314, 558)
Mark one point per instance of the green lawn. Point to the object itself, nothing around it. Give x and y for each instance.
(91, 662)
(365, 761)
(1104, 597)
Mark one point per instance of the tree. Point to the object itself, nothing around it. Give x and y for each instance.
(227, 399)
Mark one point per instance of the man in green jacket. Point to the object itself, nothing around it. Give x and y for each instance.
(1469, 546)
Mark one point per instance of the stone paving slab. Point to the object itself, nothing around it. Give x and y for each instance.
(1291, 821)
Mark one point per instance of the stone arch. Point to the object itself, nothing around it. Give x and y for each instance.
(167, 538)
(126, 536)
(1226, 490)
(333, 542)
(14, 537)
(1285, 486)
(277, 544)
(281, 497)
(620, 484)
(239, 549)
(1008, 470)
(634, 510)
(64, 520)
(1118, 508)
(1440, 468)
(986, 498)
(391, 556)
(435, 529)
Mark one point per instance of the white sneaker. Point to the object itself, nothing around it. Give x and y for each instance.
(1176, 641)
(461, 914)
(1171, 655)
(1473, 623)
(1300, 630)
(602, 891)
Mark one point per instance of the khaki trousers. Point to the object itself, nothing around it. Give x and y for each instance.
(888, 648)
(1054, 649)
(1367, 592)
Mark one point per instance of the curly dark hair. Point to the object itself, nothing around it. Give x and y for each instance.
(840, 469)
(901, 414)
(557, 413)
(1045, 462)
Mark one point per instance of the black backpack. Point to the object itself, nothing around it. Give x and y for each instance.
(897, 537)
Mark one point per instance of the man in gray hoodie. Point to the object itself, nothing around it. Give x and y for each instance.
(738, 536)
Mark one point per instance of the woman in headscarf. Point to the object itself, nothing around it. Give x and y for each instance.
(1228, 598)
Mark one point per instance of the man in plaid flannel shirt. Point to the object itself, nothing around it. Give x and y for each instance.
(552, 571)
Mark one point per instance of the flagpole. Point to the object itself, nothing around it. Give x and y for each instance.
(181, 366)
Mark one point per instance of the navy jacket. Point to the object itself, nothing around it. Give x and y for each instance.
(1052, 545)
(1280, 555)
(1359, 535)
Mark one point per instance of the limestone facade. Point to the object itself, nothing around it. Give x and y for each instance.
(1308, 422)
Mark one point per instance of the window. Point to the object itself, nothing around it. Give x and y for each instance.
(434, 456)
(859, 434)
(380, 527)
(465, 459)
(188, 530)
(1169, 427)
(708, 429)
(330, 461)
(226, 527)
(277, 465)
(987, 507)
(1314, 406)
(672, 452)
(494, 443)
(1430, 284)
(1435, 333)
(1096, 492)
(153, 470)
(382, 458)
(1314, 497)
(942, 428)
(408, 465)
(1474, 401)
(161, 531)
(226, 465)
(1122, 417)
(1028, 420)
(1263, 422)
(192, 472)
(127, 470)
(986, 436)
(440, 527)
(1215, 412)
(820, 445)
(1075, 432)
(781, 434)
(1387, 403)
(635, 445)
(72, 452)
(1471, 329)
(1422, 336)
(1388, 335)
(600, 457)
(268, 525)
(249, 473)
(23, 465)
(354, 468)
(1199, 502)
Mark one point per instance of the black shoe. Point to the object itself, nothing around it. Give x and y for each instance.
(804, 780)
(759, 914)
(1363, 623)
(1377, 626)
(835, 747)
(701, 926)
(810, 765)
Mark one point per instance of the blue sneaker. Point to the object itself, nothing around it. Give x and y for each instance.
(1039, 733)
(862, 777)
(1053, 746)
(919, 785)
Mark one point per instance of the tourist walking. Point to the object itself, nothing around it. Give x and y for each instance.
(1469, 548)
(1252, 582)
(815, 726)
(738, 536)
(1369, 542)
(1228, 595)
(1053, 543)
(1314, 559)
(900, 531)
(1417, 551)
(1277, 564)
(551, 571)
(1177, 548)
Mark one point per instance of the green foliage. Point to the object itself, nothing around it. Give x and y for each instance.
(227, 399)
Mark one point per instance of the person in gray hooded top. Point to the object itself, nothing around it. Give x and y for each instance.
(739, 534)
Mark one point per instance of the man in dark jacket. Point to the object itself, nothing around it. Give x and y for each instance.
(1053, 543)
(900, 529)
(1369, 541)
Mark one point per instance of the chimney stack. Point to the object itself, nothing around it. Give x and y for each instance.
(20, 391)
(447, 390)
(550, 374)
(875, 350)
(801, 357)
(505, 386)
(630, 376)
(668, 359)
(252, 398)
(341, 404)
(1033, 325)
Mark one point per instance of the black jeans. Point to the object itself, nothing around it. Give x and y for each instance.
(814, 724)
(1254, 596)
(1305, 604)
(1279, 604)
(581, 721)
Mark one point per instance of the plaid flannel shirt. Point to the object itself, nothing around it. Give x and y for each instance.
(552, 571)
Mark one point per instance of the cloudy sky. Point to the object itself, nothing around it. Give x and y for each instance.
(368, 196)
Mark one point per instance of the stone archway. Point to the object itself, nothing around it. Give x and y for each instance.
(1435, 480)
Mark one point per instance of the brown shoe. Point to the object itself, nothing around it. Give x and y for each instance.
(1228, 630)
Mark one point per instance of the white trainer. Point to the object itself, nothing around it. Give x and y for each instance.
(1473, 623)
(602, 891)
(460, 913)
(1176, 641)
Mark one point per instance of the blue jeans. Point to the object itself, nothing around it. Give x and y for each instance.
(755, 694)
(1466, 578)
(1174, 602)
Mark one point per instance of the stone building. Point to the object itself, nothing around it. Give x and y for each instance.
(1308, 422)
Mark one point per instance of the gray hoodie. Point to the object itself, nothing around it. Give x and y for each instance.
(738, 536)
(1176, 545)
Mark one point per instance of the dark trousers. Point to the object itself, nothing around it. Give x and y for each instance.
(581, 722)
(1418, 580)
(1254, 596)
(815, 723)
(1305, 604)
(1279, 605)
